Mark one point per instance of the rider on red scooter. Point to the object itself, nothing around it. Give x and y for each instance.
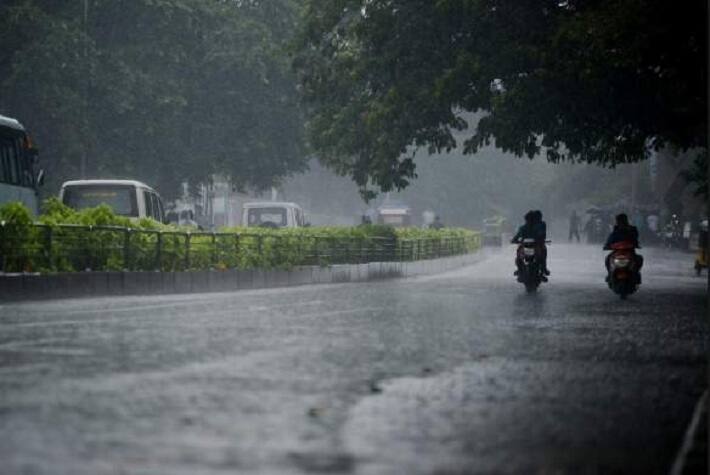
(624, 233)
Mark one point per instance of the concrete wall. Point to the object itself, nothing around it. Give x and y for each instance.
(15, 287)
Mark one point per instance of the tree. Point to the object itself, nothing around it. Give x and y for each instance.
(157, 90)
(600, 82)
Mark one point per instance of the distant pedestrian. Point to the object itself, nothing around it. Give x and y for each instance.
(437, 224)
(574, 226)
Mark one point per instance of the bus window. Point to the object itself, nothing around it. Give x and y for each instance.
(4, 161)
(15, 163)
(10, 162)
(25, 164)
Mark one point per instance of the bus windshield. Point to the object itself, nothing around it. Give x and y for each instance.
(121, 198)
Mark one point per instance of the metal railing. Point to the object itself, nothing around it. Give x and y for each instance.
(68, 247)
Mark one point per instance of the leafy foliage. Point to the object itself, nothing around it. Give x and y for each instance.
(598, 82)
(15, 231)
(698, 174)
(97, 239)
(156, 90)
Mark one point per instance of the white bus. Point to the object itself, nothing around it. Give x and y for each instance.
(19, 173)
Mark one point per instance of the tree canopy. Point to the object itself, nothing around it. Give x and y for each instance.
(157, 90)
(601, 82)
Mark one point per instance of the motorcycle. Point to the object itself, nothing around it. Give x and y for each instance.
(672, 234)
(623, 276)
(530, 272)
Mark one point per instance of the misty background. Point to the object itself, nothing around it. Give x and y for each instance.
(463, 189)
(187, 91)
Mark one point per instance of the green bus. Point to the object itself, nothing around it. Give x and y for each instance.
(19, 173)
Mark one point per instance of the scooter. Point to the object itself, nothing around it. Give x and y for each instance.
(530, 272)
(624, 276)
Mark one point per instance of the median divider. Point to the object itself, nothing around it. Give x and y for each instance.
(35, 286)
(51, 259)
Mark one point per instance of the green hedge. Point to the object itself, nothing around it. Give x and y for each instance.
(62, 239)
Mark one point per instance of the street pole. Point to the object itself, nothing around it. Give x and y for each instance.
(85, 105)
(707, 152)
(634, 173)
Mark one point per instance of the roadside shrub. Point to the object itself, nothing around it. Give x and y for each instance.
(18, 238)
(64, 239)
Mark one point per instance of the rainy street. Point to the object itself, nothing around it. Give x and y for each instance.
(459, 372)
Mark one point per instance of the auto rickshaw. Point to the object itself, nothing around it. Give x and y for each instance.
(701, 259)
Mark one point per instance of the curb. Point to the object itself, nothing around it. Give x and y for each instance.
(23, 287)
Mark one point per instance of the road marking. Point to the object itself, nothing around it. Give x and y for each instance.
(689, 437)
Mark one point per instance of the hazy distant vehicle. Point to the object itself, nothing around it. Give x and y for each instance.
(128, 198)
(672, 234)
(598, 225)
(272, 214)
(186, 217)
(437, 224)
(493, 229)
(182, 217)
(19, 176)
(398, 215)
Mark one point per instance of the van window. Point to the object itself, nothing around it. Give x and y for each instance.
(157, 208)
(160, 208)
(267, 217)
(121, 198)
(148, 204)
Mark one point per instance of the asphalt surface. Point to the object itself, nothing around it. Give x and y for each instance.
(448, 374)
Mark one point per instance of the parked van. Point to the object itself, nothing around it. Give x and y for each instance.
(128, 198)
(272, 214)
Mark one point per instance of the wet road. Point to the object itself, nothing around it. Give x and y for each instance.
(454, 373)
